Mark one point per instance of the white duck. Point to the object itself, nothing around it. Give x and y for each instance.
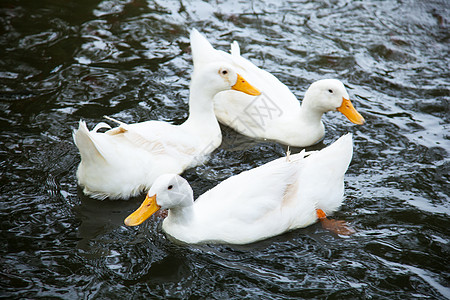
(276, 114)
(285, 194)
(125, 161)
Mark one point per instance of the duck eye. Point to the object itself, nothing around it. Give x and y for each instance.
(224, 72)
(330, 91)
(170, 187)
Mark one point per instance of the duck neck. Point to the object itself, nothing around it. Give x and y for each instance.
(309, 112)
(180, 216)
(202, 121)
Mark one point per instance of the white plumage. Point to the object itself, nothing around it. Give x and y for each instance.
(125, 160)
(276, 114)
(266, 201)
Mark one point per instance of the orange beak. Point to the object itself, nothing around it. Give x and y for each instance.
(147, 208)
(350, 112)
(243, 86)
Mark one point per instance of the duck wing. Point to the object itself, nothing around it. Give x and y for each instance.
(250, 206)
(322, 176)
(158, 138)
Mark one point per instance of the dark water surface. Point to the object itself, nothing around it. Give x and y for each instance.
(61, 61)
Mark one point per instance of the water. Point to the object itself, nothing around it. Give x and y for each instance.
(62, 61)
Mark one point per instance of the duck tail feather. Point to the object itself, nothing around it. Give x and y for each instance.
(100, 126)
(85, 142)
(202, 51)
(115, 120)
(235, 50)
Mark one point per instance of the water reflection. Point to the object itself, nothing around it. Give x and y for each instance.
(101, 217)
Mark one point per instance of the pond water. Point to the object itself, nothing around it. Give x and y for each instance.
(62, 61)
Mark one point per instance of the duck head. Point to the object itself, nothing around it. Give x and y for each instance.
(219, 77)
(169, 191)
(330, 95)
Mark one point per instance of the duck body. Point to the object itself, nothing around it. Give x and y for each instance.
(279, 196)
(276, 114)
(124, 161)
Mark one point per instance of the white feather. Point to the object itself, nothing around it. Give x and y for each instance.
(125, 160)
(276, 114)
(256, 204)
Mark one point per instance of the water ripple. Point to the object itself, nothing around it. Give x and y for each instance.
(131, 60)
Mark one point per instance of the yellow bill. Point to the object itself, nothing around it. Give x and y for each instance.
(350, 112)
(243, 86)
(147, 208)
